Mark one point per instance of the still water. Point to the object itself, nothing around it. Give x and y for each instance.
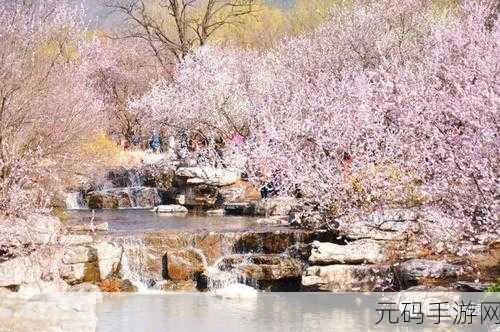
(141, 220)
(284, 312)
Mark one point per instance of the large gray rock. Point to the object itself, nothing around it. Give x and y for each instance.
(414, 271)
(208, 175)
(20, 270)
(109, 256)
(362, 251)
(345, 278)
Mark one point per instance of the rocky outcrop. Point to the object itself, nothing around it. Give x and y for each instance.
(125, 198)
(357, 252)
(109, 256)
(272, 272)
(202, 195)
(183, 265)
(344, 278)
(208, 175)
(416, 271)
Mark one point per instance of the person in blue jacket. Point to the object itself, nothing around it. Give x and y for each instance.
(155, 142)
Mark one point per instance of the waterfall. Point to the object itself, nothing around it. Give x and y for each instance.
(226, 283)
(134, 264)
(74, 201)
(134, 178)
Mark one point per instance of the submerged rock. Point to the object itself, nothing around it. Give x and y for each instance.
(362, 251)
(219, 212)
(170, 209)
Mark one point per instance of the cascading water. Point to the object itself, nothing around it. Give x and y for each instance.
(74, 201)
(226, 283)
(134, 264)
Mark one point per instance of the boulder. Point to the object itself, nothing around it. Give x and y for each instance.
(265, 271)
(362, 251)
(182, 265)
(415, 271)
(145, 197)
(260, 267)
(345, 278)
(170, 209)
(241, 191)
(208, 175)
(80, 272)
(240, 209)
(114, 284)
(109, 256)
(79, 254)
(107, 200)
(20, 270)
(199, 196)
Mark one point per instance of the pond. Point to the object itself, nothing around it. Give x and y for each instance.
(142, 220)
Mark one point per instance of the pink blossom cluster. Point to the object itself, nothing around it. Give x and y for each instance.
(47, 105)
(389, 103)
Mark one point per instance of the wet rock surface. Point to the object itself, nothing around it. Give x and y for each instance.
(414, 271)
(357, 252)
(272, 272)
(344, 278)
